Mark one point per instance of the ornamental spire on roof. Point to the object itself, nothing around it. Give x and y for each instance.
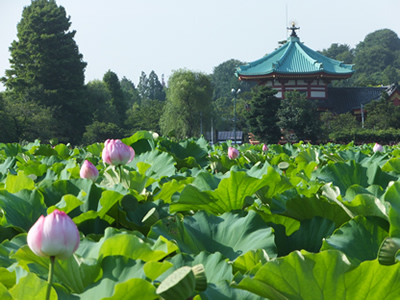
(294, 60)
(293, 29)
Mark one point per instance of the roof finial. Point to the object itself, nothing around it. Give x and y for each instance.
(293, 29)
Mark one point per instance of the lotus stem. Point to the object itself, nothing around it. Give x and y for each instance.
(50, 279)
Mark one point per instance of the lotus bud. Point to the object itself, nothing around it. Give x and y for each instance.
(55, 235)
(116, 153)
(265, 148)
(378, 147)
(89, 171)
(233, 153)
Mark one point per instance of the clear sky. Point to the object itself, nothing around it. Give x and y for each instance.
(131, 36)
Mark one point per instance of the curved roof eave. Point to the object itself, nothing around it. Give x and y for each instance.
(294, 58)
(277, 75)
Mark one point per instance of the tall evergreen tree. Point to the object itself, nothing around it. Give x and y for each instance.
(112, 82)
(130, 92)
(47, 68)
(143, 86)
(300, 115)
(262, 115)
(156, 89)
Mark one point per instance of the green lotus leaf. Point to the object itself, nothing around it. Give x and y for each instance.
(308, 237)
(230, 195)
(392, 166)
(216, 265)
(392, 196)
(218, 272)
(347, 155)
(4, 293)
(10, 149)
(160, 164)
(67, 204)
(21, 210)
(362, 204)
(63, 151)
(275, 185)
(359, 239)
(95, 149)
(96, 246)
(9, 247)
(307, 156)
(33, 286)
(7, 278)
(230, 234)
(205, 181)
(44, 150)
(290, 224)
(32, 167)
(302, 208)
(367, 205)
(388, 251)
(345, 174)
(142, 141)
(7, 165)
(109, 201)
(302, 275)
(153, 269)
(75, 272)
(250, 261)
(356, 189)
(135, 288)
(189, 148)
(134, 245)
(116, 270)
(85, 190)
(89, 222)
(168, 189)
(16, 183)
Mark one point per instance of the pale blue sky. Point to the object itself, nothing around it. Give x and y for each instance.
(130, 36)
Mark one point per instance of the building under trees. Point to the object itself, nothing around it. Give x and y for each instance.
(295, 67)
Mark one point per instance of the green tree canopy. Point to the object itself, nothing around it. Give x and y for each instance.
(117, 96)
(188, 104)
(299, 115)
(156, 89)
(340, 52)
(382, 114)
(262, 116)
(150, 87)
(377, 59)
(100, 102)
(47, 68)
(130, 92)
(145, 116)
(224, 80)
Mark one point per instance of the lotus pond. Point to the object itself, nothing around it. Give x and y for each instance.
(297, 221)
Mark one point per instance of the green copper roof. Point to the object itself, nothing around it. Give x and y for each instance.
(294, 58)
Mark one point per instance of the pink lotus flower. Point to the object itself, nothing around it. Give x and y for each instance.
(378, 147)
(265, 148)
(116, 153)
(89, 171)
(233, 153)
(55, 235)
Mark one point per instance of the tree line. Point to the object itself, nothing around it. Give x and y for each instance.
(46, 97)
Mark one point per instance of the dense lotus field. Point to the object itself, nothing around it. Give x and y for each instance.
(293, 222)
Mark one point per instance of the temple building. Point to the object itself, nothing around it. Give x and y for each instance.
(294, 66)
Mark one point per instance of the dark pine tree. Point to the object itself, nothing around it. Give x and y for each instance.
(47, 68)
(262, 115)
(118, 101)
